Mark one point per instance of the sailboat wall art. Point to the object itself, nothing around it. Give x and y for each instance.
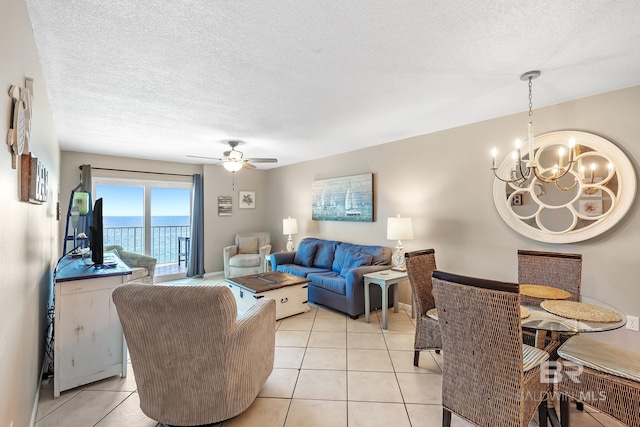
(348, 198)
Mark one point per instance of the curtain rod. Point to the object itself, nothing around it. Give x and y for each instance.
(128, 170)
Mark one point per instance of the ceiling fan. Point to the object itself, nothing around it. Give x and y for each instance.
(233, 159)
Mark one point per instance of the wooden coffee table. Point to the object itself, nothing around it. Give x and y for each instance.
(289, 292)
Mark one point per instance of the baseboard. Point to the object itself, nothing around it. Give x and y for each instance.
(215, 273)
(403, 306)
(34, 411)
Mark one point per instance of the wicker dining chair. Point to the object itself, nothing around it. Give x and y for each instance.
(554, 269)
(489, 377)
(602, 376)
(420, 265)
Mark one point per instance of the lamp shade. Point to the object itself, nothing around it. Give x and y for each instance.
(289, 226)
(399, 228)
(232, 165)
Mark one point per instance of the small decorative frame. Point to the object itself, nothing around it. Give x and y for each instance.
(224, 205)
(246, 199)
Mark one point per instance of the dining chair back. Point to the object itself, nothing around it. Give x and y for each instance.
(555, 269)
(487, 380)
(420, 265)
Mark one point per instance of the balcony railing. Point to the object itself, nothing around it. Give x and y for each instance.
(164, 240)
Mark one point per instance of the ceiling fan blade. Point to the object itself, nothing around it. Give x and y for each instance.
(262, 160)
(204, 157)
(248, 165)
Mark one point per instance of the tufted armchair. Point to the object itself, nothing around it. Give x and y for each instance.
(195, 361)
(142, 267)
(248, 254)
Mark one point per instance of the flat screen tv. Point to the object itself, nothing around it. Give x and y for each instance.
(96, 236)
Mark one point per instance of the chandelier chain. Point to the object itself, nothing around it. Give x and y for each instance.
(530, 99)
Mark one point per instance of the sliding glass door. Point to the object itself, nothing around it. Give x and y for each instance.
(147, 217)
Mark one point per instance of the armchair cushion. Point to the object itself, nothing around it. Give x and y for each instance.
(245, 260)
(305, 254)
(248, 245)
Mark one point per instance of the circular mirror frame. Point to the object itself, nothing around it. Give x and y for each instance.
(621, 203)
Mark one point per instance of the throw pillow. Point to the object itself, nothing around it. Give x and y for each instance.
(248, 245)
(324, 255)
(305, 254)
(354, 259)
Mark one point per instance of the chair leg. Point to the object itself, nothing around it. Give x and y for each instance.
(564, 410)
(579, 406)
(437, 351)
(446, 417)
(542, 413)
(416, 357)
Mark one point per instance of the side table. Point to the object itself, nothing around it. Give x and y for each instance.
(385, 279)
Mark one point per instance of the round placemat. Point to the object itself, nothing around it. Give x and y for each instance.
(524, 313)
(543, 292)
(580, 311)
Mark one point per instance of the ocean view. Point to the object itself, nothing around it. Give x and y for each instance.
(128, 232)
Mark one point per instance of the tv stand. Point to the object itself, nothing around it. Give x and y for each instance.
(89, 344)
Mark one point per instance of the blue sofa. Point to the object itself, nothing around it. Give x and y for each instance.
(336, 271)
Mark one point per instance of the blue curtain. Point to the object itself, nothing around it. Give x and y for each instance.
(196, 251)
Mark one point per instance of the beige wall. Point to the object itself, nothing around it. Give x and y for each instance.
(442, 180)
(28, 238)
(219, 231)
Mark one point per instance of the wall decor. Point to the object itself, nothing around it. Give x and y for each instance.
(224, 205)
(247, 199)
(34, 180)
(587, 195)
(348, 198)
(20, 121)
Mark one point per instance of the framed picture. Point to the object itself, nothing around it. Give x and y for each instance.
(246, 199)
(591, 207)
(348, 198)
(224, 205)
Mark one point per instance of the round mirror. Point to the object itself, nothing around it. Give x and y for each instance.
(576, 193)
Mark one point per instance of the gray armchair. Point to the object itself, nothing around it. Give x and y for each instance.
(248, 254)
(142, 267)
(195, 361)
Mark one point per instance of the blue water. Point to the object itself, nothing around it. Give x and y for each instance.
(138, 221)
(164, 234)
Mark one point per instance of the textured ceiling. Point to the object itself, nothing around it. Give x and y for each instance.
(300, 79)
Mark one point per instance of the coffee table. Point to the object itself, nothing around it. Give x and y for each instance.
(289, 292)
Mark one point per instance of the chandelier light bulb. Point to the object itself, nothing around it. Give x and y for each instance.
(610, 166)
(593, 166)
(514, 156)
(494, 152)
(518, 144)
(572, 142)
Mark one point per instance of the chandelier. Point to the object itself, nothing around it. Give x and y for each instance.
(525, 169)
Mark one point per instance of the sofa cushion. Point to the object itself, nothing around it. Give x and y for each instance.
(299, 270)
(354, 259)
(245, 260)
(329, 280)
(248, 244)
(377, 252)
(325, 253)
(305, 254)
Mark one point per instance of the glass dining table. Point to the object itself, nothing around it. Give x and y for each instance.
(544, 321)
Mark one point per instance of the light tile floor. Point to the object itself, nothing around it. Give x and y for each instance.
(329, 371)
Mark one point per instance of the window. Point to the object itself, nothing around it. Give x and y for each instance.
(146, 217)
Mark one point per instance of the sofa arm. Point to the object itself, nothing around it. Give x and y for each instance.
(227, 253)
(279, 258)
(264, 251)
(355, 276)
(133, 259)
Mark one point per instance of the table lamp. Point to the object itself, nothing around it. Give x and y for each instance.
(399, 229)
(289, 226)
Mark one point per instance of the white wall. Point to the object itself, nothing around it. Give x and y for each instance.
(28, 237)
(442, 180)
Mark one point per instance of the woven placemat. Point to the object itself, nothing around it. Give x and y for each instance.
(580, 311)
(524, 313)
(543, 292)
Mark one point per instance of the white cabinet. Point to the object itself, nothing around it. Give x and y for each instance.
(89, 344)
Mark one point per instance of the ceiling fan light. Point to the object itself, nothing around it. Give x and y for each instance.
(232, 165)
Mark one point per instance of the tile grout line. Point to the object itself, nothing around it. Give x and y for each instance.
(107, 414)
